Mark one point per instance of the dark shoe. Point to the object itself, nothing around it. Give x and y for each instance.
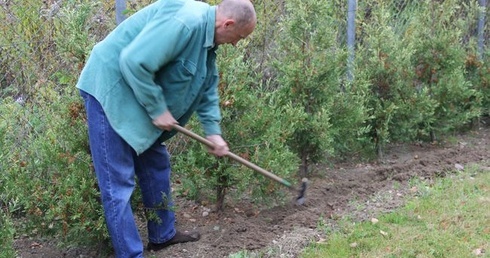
(180, 237)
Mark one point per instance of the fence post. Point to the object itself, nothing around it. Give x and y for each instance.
(481, 28)
(120, 8)
(351, 37)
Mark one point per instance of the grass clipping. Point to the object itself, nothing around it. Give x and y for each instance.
(448, 218)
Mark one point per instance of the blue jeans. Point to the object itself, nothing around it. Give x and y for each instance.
(116, 166)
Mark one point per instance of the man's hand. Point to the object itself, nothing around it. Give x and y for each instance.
(165, 121)
(220, 146)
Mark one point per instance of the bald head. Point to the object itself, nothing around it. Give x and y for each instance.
(235, 20)
(242, 11)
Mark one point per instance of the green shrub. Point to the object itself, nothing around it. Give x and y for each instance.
(439, 60)
(309, 70)
(384, 60)
(46, 168)
(253, 125)
(47, 175)
(418, 84)
(7, 232)
(351, 121)
(478, 74)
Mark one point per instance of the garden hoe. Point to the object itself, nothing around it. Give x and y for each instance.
(302, 190)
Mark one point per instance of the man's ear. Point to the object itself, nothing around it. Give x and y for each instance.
(228, 23)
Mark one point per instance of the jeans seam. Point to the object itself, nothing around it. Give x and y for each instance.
(109, 179)
(145, 171)
(153, 197)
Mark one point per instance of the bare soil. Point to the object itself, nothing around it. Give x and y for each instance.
(355, 189)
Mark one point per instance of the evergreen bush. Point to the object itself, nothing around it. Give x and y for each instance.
(439, 62)
(303, 76)
(7, 232)
(46, 169)
(253, 125)
(418, 84)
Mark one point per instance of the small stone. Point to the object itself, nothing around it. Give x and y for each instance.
(374, 220)
(459, 167)
(478, 252)
(322, 241)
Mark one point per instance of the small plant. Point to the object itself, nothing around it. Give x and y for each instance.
(240, 254)
(7, 233)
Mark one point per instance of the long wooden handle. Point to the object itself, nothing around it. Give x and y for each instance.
(232, 156)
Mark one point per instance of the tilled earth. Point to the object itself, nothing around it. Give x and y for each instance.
(359, 190)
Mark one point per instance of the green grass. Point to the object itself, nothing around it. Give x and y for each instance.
(450, 218)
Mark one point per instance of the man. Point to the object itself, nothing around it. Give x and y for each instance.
(152, 72)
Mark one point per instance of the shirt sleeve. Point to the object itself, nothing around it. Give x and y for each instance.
(160, 41)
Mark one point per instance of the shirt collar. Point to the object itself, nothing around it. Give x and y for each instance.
(210, 28)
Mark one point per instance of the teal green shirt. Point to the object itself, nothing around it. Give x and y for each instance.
(160, 58)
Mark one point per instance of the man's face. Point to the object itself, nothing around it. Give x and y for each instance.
(230, 33)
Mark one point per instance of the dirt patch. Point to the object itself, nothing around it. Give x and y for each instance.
(359, 190)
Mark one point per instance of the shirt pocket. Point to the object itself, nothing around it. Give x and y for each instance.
(177, 80)
(178, 74)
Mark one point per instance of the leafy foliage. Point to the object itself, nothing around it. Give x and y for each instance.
(46, 169)
(48, 176)
(418, 83)
(7, 233)
(305, 78)
(254, 130)
(440, 69)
